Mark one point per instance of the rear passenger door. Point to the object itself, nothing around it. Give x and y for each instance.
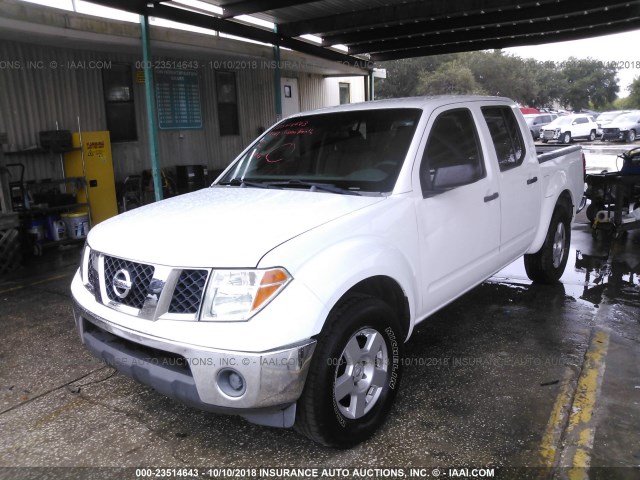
(458, 213)
(581, 127)
(520, 187)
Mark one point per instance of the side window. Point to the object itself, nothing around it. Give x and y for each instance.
(506, 136)
(452, 156)
(583, 120)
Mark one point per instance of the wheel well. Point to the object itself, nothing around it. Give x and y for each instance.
(388, 290)
(566, 201)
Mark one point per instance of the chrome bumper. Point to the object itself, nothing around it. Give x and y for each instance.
(273, 380)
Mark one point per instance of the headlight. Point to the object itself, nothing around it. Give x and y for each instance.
(237, 295)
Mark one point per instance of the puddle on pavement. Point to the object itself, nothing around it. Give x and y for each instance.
(594, 267)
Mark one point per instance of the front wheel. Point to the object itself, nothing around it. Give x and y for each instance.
(354, 375)
(566, 137)
(631, 136)
(592, 136)
(548, 264)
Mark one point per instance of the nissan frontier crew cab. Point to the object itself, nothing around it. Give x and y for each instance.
(284, 292)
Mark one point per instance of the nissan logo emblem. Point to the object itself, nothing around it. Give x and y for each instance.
(122, 283)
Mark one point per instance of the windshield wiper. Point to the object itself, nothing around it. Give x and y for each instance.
(237, 182)
(324, 187)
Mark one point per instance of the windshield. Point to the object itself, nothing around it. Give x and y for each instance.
(560, 121)
(357, 151)
(627, 118)
(607, 116)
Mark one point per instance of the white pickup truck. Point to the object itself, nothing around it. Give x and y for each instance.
(284, 292)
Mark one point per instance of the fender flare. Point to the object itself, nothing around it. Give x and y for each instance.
(367, 257)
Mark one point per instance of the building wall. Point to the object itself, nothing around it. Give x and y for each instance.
(332, 89)
(45, 88)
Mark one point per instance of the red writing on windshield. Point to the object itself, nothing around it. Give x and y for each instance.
(277, 154)
(299, 131)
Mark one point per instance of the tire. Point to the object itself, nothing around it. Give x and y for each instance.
(566, 137)
(592, 136)
(354, 374)
(631, 136)
(544, 140)
(548, 264)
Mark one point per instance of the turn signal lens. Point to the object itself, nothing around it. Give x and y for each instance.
(271, 282)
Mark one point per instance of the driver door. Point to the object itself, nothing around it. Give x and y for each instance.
(459, 212)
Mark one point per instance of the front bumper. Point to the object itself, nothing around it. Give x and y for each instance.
(195, 375)
(615, 135)
(550, 134)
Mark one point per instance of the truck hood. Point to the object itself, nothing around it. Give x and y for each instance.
(219, 226)
(621, 125)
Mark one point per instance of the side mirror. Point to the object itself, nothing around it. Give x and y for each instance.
(446, 178)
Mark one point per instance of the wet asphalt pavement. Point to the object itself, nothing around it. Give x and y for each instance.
(526, 380)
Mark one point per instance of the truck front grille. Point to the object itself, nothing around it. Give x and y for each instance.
(155, 291)
(188, 292)
(610, 131)
(548, 134)
(140, 274)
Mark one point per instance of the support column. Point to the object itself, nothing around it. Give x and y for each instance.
(367, 90)
(152, 126)
(372, 90)
(277, 79)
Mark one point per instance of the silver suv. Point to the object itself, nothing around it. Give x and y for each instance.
(535, 121)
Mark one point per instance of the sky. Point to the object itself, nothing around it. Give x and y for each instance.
(622, 49)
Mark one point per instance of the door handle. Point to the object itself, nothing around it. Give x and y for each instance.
(491, 197)
(532, 180)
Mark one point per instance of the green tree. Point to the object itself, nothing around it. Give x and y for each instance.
(498, 73)
(578, 84)
(450, 78)
(633, 100)
(550, 84)
(402, 75)
(589, 82)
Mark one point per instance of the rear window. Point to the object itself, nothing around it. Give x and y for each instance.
(356, 150)
(506, 136)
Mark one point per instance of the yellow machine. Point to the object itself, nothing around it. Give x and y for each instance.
(93, 160)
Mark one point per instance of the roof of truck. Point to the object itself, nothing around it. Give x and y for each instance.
(425, 103)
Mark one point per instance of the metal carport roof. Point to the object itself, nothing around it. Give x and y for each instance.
(376, 30)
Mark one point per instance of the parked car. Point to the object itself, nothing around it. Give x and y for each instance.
(285, 292)
(536, 121)
(529, 110)
(624, 127)
(570, 127)
(605, 118)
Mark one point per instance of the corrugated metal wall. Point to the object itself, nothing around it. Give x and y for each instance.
(312, 91)
(36, 93)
